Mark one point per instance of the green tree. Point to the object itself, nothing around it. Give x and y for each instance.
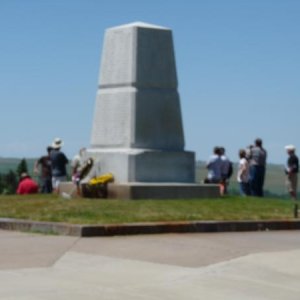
(1, 183)
(10, 182)
(22, 167)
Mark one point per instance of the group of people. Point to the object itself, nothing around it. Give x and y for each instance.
(51, 169)
(251, 169)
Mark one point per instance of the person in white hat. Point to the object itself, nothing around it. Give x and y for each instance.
(58, 164)
(291, 171)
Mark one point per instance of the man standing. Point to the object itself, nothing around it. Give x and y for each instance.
(258, 158)
(291, 171)
(214, 167)
(226, 171)
(58, 164)
(42, 167)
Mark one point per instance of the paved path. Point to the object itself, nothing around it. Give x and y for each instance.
(254, 265)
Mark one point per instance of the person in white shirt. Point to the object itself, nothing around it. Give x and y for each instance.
(243, 174)
(77, 163)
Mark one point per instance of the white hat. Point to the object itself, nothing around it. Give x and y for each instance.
(57, 143)
(23, 175)
(290, 147)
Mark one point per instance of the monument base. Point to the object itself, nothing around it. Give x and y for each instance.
(68, 189)
(162, 191)
(143, 190)
(144, 165)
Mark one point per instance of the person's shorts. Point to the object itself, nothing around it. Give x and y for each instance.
(56, 180)
(291, 182)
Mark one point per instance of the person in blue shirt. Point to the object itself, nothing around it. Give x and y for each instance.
(214, 167)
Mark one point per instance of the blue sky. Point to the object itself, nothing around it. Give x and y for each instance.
(238, 67)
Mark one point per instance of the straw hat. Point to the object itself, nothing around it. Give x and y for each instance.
(290, 148)
(57, 143)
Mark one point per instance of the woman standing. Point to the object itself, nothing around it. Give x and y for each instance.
(243, 174)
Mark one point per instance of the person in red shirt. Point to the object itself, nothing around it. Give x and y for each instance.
(27, 185)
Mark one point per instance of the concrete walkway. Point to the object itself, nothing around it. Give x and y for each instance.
(254, 265)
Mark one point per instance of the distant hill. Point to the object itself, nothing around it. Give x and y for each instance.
(274, 185)
(7, 164)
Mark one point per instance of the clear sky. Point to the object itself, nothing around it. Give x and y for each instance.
(238, 66)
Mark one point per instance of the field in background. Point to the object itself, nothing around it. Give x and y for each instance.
(7, 164)
(274, 185)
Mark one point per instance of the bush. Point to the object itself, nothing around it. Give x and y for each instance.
(8, 183)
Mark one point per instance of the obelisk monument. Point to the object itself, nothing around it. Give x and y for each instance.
(137, 132)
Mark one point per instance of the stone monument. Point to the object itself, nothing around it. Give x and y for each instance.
(137, 132)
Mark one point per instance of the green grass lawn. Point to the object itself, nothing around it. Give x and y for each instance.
(99, 211)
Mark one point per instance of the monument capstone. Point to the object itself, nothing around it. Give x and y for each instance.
(137, 132)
